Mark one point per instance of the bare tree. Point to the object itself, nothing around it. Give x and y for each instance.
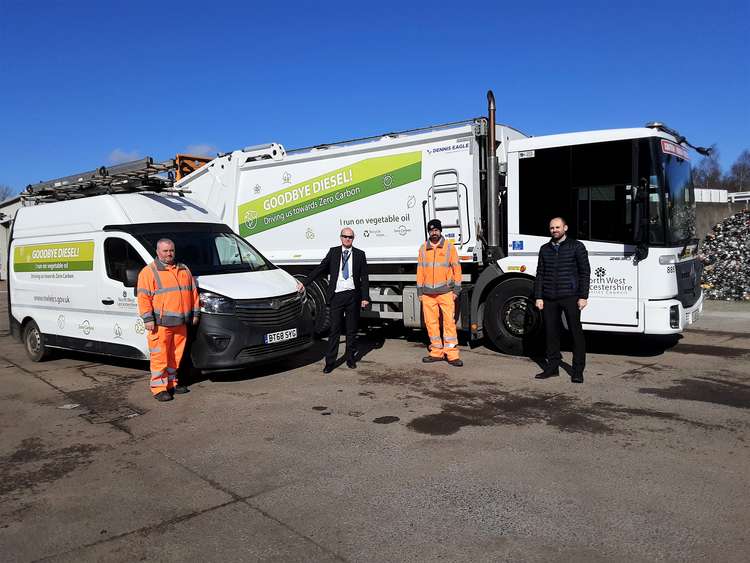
(6, 192)
(738, 179)
(707, 173)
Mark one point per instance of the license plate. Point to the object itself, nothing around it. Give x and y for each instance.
(280, 336)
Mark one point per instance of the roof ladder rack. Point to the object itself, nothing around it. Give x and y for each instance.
(137, 175)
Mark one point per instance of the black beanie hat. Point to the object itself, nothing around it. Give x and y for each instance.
(434, 224)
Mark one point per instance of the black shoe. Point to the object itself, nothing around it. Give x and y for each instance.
(163, 396)
(577, 378)
(457, 363)
(180, 389)
(328, 369)
(547, 373)
(430, 359)
(351, 365)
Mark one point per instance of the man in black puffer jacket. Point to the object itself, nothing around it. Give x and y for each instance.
(562, 285)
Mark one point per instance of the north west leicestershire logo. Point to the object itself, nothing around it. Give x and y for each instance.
(600, 272)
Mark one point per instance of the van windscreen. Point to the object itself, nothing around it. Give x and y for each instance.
(209, 252)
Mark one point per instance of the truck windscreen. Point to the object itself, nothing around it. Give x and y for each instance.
(679, 199)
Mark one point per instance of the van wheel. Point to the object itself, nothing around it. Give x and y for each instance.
(34, 342)
(318, 309)
(511, 321)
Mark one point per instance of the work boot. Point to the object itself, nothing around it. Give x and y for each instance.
(430, 359)
(577, 377)
(547, 373)
(457, 363)
(163, 396)
(181, 389)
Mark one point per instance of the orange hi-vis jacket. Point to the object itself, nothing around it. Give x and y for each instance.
(167, 294)
(438, 268)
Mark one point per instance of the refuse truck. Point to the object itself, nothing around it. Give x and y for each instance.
(626, 193)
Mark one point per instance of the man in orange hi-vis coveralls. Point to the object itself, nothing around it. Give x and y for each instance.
(438, 286)
(167, 302)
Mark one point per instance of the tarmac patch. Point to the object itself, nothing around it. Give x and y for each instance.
(386, 419)
(706, 390)
(105, 403)
(464, 406)
(33, 464)
(710, 350)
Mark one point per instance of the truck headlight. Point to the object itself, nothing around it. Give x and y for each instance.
(216, 304)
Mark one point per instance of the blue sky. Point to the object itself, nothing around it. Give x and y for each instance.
(85, 84)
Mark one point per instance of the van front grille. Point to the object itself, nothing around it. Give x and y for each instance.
(268, 313)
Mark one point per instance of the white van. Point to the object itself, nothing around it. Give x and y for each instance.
(74, 266)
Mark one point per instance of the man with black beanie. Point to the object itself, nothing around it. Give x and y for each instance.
(562, 283)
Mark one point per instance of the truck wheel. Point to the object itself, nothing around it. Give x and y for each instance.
(512, 323)
(33, 341)
(318, 309)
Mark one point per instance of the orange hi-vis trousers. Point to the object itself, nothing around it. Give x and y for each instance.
(432, 306)
(166, 345)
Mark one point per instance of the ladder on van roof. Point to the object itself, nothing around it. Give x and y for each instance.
(138, 175)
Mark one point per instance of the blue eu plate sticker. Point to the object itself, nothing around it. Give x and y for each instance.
(517, 245)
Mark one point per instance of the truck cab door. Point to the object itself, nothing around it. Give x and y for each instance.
(119, 323)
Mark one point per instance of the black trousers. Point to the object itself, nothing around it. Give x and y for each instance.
(553, 327)
(344, 308)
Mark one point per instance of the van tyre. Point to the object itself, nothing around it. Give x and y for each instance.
(34, 342)
(512, 323)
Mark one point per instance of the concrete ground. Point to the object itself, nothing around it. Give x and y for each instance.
(393, 461)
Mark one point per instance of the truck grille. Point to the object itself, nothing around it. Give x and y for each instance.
(261, 351)
(276, 312)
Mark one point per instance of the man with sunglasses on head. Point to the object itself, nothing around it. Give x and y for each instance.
(348, 292)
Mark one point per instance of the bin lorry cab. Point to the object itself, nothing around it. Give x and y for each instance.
(626, 193)
(74, 266)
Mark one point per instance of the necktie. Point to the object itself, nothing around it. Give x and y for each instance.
(345, 265)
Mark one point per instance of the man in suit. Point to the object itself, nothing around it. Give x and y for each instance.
(348, 291)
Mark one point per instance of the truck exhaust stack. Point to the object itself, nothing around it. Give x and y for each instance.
(493, 209)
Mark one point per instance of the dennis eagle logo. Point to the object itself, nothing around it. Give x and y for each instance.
(251, 219)
(600, 272)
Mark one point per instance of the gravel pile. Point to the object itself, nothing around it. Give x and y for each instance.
(725, 254)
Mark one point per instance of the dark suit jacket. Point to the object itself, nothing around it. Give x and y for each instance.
(330, 267)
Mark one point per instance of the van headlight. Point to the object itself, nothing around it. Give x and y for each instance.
(216, 304)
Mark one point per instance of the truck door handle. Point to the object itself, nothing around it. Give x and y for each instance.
(108, 301)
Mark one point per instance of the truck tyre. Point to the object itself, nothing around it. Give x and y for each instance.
(511, 321)
(34, 342)
(316, 300)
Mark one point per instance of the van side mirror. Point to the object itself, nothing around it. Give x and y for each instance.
(131, 277)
